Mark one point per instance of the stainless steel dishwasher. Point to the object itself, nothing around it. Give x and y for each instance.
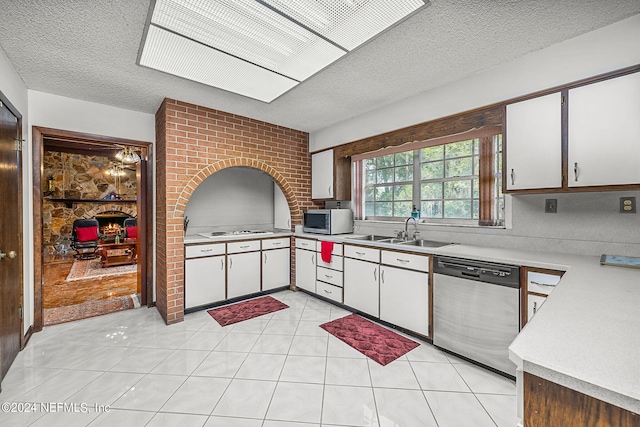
(476, 310)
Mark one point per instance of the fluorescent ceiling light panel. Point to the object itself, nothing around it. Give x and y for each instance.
(182, 57)
(261, 48)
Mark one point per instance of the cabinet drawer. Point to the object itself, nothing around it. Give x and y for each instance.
(365, 254)
(329, 291)
(194, 251)
(245, 246)
(541, 283)
(276, 243)
(405, 260)
(305, 244)
(335, 264)
(337, 248)
(329, 276)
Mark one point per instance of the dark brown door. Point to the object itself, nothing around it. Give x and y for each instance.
(10, 240)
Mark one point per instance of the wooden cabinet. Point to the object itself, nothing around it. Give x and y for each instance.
(276, 270)
(362, 286)
(537, 284)
(243, 274)
(604, 132)
(204, 281)
(534, 143)
(306, 269)
(404, 298)
(330, 177)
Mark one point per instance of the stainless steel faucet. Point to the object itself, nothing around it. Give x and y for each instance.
(406, 226)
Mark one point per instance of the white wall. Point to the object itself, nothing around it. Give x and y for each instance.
(606, 49)
(232, 199)
(14, 89)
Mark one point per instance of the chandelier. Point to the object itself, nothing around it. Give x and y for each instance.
(128, 155)
(115, 170)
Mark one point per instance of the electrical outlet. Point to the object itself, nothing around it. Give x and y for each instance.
(627, 205)
(551, 206)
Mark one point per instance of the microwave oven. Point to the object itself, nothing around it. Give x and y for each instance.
(328, 221)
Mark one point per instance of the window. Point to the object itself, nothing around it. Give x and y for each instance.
(445, 182)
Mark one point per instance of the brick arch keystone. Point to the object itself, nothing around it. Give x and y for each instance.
(189, 188)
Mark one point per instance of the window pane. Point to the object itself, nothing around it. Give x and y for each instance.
(431, 190)
(433, 170)
(457, 149)
(384, 209)
(457, 190)
(457, 209)
(384, 175)
(432, 209)
(384, 161)
(459, 167)
(368, 208)
(476, 146)
(432, 153)
(368, 194)
(404, 173)
(476, 165)
(384, 194)
(370, 177)
(370, 164)
(476, 189)
(403, 192)
(402, 209)
(476, 209)
(405, 158)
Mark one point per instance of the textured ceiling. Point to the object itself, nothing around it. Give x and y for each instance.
(87, 50)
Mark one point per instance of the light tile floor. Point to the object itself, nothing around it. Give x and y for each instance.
(278, 370)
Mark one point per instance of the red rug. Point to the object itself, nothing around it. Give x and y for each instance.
(374, 341)
(245, 310)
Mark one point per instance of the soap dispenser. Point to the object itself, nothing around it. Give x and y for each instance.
(415, 213)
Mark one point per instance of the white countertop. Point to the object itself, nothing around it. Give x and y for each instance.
(587, 334)
(190, 239)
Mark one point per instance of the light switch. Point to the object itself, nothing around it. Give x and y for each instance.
(627, 205)
(551, 206)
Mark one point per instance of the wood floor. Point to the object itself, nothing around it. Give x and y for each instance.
(64, 301)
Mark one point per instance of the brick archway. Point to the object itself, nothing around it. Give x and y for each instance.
(187, 191)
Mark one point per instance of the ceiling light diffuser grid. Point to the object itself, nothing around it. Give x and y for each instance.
(250, 31)
(182, 57)
(349, 23)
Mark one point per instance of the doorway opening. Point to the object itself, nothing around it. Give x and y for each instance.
(84, 271)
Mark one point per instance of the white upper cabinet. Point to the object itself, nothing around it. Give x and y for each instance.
(322, 175)
(604, 132)
(534, 143)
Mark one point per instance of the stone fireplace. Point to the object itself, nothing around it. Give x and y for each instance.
(111, 223)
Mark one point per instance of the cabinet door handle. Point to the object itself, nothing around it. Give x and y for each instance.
(265, 257)
(329, 292)
(533, 282)
(245, 246)
(204, 251)
(221, 264)
(375, 274)
(513, 179)
(277, 243)
(230, 263)
(535, 307)
(360, 253)
(403, 260)
(288, 223)
(327, 276)
(575, 171)
(329, 190)
(313, 259)
(382, 276)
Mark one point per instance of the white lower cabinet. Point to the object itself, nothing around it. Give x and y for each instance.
(205, 281)
(243, 274)
(534, 302)
(404, 298)
(306, 269)
(361, 289)
(275, 269)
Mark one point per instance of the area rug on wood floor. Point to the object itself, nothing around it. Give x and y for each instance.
(374, 341)
(88, 268)
(245, 310)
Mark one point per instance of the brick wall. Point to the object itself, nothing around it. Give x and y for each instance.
(192, 143)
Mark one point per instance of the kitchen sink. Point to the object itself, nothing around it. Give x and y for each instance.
(424, 243)
(392, 240)
(370, 237)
